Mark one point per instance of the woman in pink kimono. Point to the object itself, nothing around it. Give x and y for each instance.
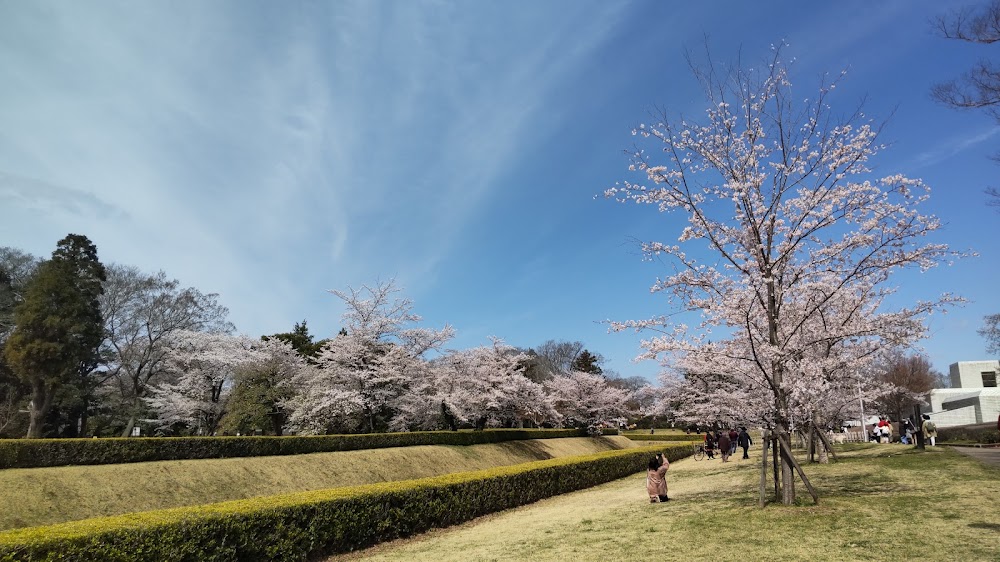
(656, 479)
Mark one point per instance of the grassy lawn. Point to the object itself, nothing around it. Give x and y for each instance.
(880, 502)
(43, 496)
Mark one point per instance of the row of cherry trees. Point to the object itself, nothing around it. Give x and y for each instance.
(164, 356)
(381, 372)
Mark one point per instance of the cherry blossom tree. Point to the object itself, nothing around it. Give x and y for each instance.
(140, 312)
(362, 373)
(587, 399)
(202, 370)
(790, 249)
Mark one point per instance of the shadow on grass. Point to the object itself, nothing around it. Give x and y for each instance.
(866, 484)
(987, 526)
(531, 449)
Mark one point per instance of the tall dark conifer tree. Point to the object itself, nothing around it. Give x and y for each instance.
(58, 327)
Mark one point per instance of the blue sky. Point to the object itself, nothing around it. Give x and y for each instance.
(271, 151)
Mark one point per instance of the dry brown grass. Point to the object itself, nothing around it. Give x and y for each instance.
(43, 496)
(881, 502)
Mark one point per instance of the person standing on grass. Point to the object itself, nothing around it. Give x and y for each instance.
(733, 436)
(656, 478)
(743, 439)
(724, 445)
(930, 430)
(709, 445)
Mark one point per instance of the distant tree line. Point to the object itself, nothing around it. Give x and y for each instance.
(92, 349)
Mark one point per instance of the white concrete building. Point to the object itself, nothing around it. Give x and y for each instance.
(972, 398)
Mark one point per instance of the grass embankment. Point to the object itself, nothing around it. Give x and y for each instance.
(44, 496)
(880, 502)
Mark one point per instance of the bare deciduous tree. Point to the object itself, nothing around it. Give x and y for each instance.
(979, 87)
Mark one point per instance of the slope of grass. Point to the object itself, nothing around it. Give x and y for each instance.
(43, 496)
(881, 502)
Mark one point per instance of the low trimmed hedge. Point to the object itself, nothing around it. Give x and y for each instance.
(310, 524)
(667, 437)
(33, 453)
(986, 433)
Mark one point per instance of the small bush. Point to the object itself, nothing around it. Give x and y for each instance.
(309, 524)
(32, 453)
(981, 433)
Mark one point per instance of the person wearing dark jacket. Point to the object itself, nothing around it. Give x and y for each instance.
(709, 445)
(743, 439)
(724, 445)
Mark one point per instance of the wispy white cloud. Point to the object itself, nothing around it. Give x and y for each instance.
(952, 147)
(20, 192)
(268, 154)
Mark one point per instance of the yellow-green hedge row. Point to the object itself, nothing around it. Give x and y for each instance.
(31, 453)
(666, 437)
(306, 525)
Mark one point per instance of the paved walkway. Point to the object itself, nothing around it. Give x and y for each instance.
(989, 455)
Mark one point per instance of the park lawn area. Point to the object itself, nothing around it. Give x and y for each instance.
(45, 496)
(879, 502)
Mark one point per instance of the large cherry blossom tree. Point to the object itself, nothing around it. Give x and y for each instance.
(201, 371)
(790, 250)
(484, 386)
(587, 399)
(361, 374)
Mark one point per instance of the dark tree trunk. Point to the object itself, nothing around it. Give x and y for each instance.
(41, 403)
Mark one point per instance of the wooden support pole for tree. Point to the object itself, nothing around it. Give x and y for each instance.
(786, 450)
(774, 466)
(763, 473)
(827, 444)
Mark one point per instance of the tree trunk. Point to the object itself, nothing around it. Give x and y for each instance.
(133, 415)
(276, 422)
(824, 458)
(823, 445)
(811, 444)
(41, 403)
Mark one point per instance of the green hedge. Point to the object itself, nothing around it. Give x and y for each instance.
(665, 437)
(309, 524)
(981, 433)
(31, 453)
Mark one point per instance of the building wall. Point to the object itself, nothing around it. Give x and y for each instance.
(951, 418)
(956, 406)
(989, 403)
(968, 374)
(939, 396)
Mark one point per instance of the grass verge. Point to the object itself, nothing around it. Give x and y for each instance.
(880, 502)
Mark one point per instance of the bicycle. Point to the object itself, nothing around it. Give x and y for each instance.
(699, 451)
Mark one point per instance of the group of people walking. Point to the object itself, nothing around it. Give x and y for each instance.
(727, 442)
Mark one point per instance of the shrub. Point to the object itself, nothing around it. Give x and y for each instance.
(309, 524)
(32, 453)
(667, 437)
(981, 433)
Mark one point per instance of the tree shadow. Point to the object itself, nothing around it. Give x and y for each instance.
(531, 449)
